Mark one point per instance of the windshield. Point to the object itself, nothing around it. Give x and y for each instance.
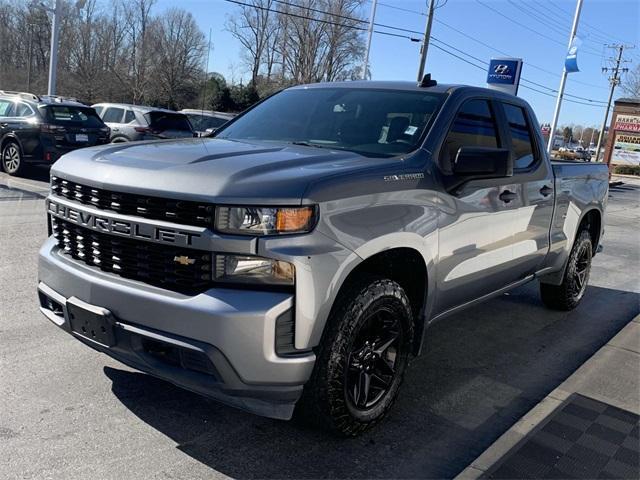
(378, 123)
(202, 122)
(72, 116)
(163, 121)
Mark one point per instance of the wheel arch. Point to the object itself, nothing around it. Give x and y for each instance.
(591, 220)
(404, 265)
(11, 137)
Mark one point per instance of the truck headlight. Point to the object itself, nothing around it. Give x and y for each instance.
(253, 270)
(265, 220)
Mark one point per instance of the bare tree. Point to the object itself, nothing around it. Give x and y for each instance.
(631, 84)
(182, 48)
(253, 26)
(312, 40)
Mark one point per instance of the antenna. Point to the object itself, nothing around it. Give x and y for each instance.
(427, 82)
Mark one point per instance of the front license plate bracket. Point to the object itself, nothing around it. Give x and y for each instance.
(91, 322)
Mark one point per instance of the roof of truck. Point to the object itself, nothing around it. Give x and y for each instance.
(403, 85)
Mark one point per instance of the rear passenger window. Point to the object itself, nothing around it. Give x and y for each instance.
(23, 110)
(113, 115)
(474, 126)
(129, 116)
(6, 108)
(520, 137)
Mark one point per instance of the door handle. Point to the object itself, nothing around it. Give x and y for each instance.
(3, 124)
(507, 196)
(546, 191)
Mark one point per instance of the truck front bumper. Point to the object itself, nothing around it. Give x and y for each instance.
(221, 344)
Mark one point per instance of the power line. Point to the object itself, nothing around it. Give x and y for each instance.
(588, 52)
(328, 22)
(585, 36)
(555, 27)
(604, 35)
(470, 37)
(502, 52)
(393, 35)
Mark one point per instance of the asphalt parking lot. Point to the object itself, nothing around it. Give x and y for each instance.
(69, 412)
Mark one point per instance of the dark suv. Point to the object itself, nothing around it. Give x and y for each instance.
(38, 130)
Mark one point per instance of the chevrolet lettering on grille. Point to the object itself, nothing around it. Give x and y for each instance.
(122, 227)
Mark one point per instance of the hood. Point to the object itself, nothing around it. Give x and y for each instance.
(208, 169)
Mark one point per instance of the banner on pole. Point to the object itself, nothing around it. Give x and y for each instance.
(571, 62)
(504, 74)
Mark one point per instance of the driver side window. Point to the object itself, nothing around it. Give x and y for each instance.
(474, 126)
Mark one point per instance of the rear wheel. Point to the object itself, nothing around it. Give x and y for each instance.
(12, 162)
(568, 294)
(361, 360)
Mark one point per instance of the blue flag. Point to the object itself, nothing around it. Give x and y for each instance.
(571, 62)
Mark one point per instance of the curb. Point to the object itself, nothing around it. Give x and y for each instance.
(537, 414)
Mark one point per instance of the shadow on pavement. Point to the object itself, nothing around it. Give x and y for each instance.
(481, 371)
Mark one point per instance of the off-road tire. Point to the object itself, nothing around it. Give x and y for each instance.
(569, 293)
(11, 159)
(325, 401)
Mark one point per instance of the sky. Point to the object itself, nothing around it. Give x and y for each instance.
(535, 30)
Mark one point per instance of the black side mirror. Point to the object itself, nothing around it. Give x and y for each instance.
(483, 162)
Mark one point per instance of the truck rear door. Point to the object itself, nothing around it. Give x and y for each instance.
(533, 184)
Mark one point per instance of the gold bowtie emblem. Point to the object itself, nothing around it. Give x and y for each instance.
(184, 260)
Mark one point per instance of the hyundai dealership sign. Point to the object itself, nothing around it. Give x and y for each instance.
(504, 74)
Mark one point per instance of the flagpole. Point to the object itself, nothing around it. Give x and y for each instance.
(563, 80)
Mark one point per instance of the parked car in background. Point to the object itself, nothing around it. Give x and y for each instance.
(129, 123)
(38, 130)
(205, 122)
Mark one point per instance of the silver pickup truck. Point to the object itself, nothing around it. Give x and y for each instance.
(296, 259)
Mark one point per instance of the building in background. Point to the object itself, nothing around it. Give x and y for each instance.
(623, 142)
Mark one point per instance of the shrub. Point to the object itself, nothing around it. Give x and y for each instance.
(627, 169)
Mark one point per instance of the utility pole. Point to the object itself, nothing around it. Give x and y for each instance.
(425, 42)
(563, 79)
(614, 80)
(372, 19)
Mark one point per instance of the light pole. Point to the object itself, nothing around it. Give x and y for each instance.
(53, 58)
(56, 15)
(563, 79)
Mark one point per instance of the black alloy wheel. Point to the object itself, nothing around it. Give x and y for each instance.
(361, 359)
(570, 292)
(373, 359)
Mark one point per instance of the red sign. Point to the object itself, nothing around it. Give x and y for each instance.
(627, 123)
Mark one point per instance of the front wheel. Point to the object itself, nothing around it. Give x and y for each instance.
(12, 162)
(568, 294)
(362, 358)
